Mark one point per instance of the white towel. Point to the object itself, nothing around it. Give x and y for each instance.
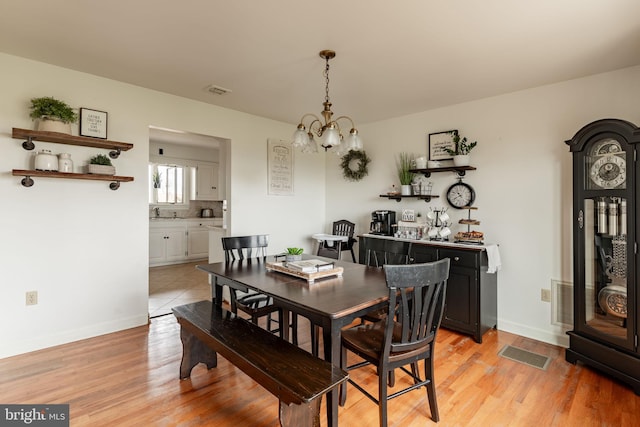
(493, 255)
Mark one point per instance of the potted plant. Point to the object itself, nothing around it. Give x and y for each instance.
(53, 115)
(405, 164)
(156, 179)
(294, 254)
(461, 152)
(101, 165)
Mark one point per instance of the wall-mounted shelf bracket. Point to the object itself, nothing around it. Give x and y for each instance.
(398, 197)
(115, 153)
(28, 144)
(460, 170)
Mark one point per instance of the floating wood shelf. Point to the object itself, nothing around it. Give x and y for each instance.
(28, 182)
(460, 170)
(398, 197)
(63, 138)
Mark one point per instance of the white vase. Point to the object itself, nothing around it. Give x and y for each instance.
(52, 125)
(405, 190)
(461, 160)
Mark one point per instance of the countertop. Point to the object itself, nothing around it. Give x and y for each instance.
(467, 246)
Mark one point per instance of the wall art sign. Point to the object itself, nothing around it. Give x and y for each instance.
(93, 123)
(438, 144)
(280, 167)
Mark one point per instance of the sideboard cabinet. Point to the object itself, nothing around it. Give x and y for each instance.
(471, 302)
(605, 245)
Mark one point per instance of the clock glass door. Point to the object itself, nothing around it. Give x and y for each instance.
(606, 252)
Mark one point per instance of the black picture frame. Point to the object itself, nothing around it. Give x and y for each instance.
(439, 142)
(93, 123)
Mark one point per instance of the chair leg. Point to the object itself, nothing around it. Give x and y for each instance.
(353, 256)
(343, 386)
(431, 389)
(294, 327)
(382, 397)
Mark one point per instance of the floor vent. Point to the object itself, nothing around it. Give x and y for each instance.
(523, 356)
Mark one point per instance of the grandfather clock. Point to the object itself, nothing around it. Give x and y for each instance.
(606, 204)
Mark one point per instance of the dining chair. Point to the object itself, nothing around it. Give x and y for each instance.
(416, 296)
(252, 303)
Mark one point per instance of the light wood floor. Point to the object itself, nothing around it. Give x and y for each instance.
(177, 284)
(130, 378)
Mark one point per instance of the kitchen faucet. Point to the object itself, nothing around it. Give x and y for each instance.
(157, 211)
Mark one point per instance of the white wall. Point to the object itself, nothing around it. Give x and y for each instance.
(522, 181)
(83, 247)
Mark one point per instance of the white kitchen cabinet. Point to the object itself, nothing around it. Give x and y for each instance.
(166, 245)
(206, 181)
(198, 240)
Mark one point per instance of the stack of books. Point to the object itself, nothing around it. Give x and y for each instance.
(309, 266)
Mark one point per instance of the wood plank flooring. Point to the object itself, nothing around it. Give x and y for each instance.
(130, 378)
(178, 284)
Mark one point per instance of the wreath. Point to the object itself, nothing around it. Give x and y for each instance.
(351, 173)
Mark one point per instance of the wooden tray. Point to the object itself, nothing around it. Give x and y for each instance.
(309, 277)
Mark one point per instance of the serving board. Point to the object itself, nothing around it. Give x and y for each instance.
(309, 277)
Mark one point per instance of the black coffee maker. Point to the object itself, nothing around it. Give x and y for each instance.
(382, 222)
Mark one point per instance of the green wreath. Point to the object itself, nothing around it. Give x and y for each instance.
(361, 171)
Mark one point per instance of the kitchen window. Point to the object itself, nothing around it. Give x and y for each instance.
(167, 184)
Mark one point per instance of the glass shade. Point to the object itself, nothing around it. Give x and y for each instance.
(300, 137)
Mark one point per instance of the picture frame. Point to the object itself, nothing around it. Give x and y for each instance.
(439, 142)
(280, 167)
(93, 123)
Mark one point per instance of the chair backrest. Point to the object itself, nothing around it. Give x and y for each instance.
(343, 228)
(387, 252)
(416, 294)
(242, 247)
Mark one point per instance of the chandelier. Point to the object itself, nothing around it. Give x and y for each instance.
(327, 130)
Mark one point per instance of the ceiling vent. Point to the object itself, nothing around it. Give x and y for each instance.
(217, 90)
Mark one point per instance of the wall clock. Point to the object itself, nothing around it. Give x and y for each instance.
(460, 195)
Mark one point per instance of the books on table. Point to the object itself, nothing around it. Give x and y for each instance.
(309, 265)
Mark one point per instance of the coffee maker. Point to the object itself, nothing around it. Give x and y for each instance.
(382, 222)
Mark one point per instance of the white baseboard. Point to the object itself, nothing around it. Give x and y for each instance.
(558, 337)
(89, 331)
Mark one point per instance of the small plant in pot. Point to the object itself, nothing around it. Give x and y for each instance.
(405, 164)
(294, 254)
(52, 114)
(101, 165)
(461, 152)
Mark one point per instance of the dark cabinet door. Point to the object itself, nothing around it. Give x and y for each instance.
(423, 253)
(461, 303)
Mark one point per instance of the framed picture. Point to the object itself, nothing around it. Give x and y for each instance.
(438, 143)
(279, 167)
(93, 123)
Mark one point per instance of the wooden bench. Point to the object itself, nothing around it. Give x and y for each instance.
(297, 378)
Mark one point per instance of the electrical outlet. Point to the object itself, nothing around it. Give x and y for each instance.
(32, 297)
(545, 295)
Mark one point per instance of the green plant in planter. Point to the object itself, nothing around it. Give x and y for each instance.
(405, 164)
(51, 108)
(462, 146)
(295, 251)
(100, 159)
(156, 179)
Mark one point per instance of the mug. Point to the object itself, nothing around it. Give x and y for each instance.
(431, 215)
(444, 232)
(444, 217)
(433, 232)
(421, 163)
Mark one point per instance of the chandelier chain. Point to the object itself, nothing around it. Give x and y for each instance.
(326, 76)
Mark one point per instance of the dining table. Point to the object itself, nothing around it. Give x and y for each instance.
(331, 302)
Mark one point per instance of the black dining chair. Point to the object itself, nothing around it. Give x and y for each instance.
(254, 304)
(416, 297)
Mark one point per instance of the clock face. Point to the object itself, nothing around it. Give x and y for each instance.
(608, 171)
(460, 195)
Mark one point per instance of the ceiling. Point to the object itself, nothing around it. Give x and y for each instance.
(393, 57)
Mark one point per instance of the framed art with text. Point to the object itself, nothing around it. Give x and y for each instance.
(439, 143)
(93, 123)
(280, 167)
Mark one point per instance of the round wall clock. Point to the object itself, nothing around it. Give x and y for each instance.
(460, 195)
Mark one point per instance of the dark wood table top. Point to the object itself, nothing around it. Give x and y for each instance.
(358, 289)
